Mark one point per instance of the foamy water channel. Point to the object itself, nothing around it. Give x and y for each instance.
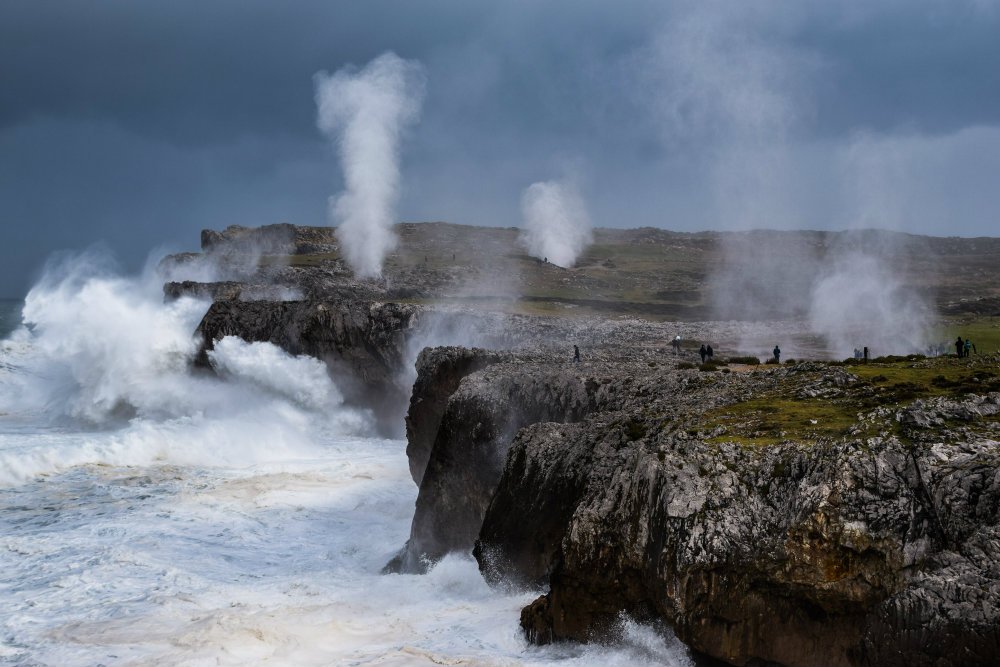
(149, 516)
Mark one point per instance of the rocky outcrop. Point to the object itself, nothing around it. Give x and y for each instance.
(478, 421)
(626, 497)
(280, 239)
(229, 290)
(363, 343)
(439, 372)
(875, 550)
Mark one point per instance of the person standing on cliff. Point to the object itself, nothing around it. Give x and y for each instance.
(709, 352)
(676, 344)
(703, 352)
(959, 347)
(777, 353)
(576, 354)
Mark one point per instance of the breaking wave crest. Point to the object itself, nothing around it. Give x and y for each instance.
(102, 360)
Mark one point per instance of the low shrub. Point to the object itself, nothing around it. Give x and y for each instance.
(635, 430)
(748, 360)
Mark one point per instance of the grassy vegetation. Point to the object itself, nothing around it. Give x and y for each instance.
(900, 382)
(749, 361)
(769, 420)
(983, 331)
(774, 417)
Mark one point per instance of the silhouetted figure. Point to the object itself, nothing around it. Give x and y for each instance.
(576, 354)
(703, 352)
(959, 347)
(710, 352)
(676, 344)
(777, 353)
(864, 352)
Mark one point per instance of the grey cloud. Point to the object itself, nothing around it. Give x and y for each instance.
(140, 123)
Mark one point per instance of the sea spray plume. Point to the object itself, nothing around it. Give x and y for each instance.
(100, 347)
(860, 301)
(556, 224)
(723, 89)
(365, 112)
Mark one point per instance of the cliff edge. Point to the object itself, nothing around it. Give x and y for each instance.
(810, 514)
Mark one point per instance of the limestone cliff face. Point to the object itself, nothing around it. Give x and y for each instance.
(608, 484)
(859, 553)
(362, 342)
(459, 463)
(439, 372)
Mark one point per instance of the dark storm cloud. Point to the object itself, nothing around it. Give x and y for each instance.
(138, 123)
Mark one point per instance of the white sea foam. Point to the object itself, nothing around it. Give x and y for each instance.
(278, 564)
(151, 516)
(104, 366)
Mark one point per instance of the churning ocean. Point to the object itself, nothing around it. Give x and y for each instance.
(149, 516)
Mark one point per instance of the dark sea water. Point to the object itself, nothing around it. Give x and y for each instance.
(10, 315)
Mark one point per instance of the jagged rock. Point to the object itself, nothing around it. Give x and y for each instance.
(475, 429)
(280, 239)
(228, 291)
(858, 552)
(877, 548)
(439, 371)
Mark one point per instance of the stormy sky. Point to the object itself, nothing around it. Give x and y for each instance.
(137, 124)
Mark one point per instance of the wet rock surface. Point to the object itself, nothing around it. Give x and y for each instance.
(876, 549)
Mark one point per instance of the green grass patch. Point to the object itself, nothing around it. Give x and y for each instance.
(769, 420)
(898, 382)
(748, 360)
(774, 417)
(983, 331)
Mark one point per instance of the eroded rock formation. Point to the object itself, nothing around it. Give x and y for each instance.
(876, 548)
(478, 421)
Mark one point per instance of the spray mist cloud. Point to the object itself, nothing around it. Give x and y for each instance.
(364, 112)
(860, 301)
(556, 224)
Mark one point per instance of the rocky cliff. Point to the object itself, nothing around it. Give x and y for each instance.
(458, 464)
(804, 515)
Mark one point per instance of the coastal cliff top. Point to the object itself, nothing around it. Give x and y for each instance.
(646, 272)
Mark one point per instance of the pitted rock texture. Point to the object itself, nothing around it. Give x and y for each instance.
(439, 372)
(865, 551)
(477, 424)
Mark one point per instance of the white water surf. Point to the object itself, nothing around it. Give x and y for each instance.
(151, 516)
